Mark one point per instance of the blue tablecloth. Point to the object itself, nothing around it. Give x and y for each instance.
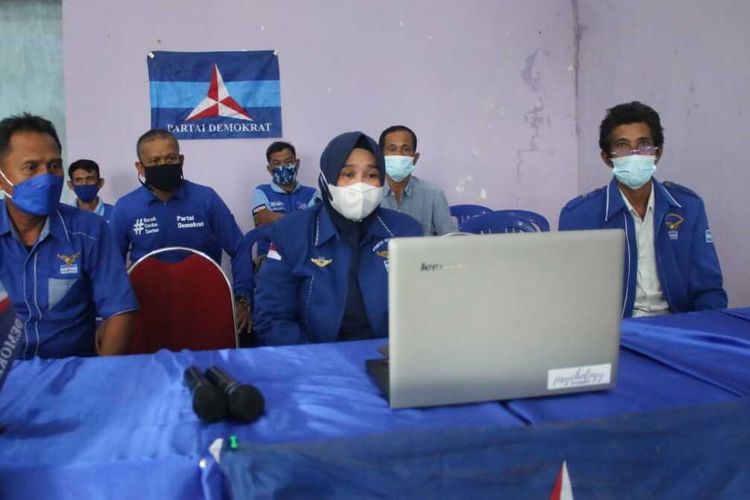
(123, 427)
(665, 361)
(693, 452)
(713, 346)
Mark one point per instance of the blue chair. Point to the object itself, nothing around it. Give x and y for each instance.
(497, 222)
(534, 218)
(465, 212)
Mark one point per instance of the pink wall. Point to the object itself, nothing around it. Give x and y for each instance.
(687, 59)
(488, 87)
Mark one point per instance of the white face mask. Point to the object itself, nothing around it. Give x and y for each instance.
(356, 201)
(399, 168)
(635, 170)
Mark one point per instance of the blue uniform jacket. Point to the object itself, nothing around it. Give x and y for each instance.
(302, 286)
(686, 259)
(195, 217)
(274, 198)
(70, 275)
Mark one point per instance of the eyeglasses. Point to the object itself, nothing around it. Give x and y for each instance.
(643, 149)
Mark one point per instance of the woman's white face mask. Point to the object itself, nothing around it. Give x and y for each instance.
(356, 201)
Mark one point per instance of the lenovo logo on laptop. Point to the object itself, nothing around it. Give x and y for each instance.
(440, 267)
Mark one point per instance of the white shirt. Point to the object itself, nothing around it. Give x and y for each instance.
(649, 299)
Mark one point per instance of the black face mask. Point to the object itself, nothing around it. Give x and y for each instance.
(163, 177)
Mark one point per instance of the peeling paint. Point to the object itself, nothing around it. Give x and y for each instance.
(527, 75)
(461, 186)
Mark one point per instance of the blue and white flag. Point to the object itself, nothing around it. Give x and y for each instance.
(11, 330)
(216, 95)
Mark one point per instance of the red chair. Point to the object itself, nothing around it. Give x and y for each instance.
(185, 302)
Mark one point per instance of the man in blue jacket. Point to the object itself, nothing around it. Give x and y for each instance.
(284, 194)
(670, 261)
(326, 275)
(168, 210)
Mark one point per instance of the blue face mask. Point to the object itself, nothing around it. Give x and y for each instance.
(86, 192)
(38, 195)
(399, 168)
(635, 170)
(285, 174)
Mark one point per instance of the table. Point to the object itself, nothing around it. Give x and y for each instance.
(122, 427)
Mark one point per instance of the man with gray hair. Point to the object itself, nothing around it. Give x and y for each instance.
(168, 210)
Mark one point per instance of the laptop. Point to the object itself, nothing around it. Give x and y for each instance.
(501, 316)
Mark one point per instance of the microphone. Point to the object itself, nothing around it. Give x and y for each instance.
(245, 402)
(208, 402)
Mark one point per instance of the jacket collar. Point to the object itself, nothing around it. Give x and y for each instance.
(325, 229)
(407, 190)
(54, 225)
(614, 202)
(278, 189)
(179, 193)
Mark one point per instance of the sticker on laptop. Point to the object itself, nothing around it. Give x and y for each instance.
(578, 376)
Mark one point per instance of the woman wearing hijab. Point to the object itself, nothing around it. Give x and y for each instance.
(326, 274)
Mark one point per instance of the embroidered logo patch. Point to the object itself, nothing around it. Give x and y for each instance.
(188, 222)
(380, 244)
(69, 265)
(673, 221)
(145, 225)
(69, 259)
(321, 261)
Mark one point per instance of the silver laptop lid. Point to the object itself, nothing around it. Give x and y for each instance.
(490, 317)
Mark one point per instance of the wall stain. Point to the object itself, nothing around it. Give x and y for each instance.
(534, 117)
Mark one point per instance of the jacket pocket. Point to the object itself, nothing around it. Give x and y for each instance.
(58, 288)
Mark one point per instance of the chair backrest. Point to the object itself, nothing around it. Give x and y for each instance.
(184, 304)
(534, 218)
(465, 212)
(497, 222)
